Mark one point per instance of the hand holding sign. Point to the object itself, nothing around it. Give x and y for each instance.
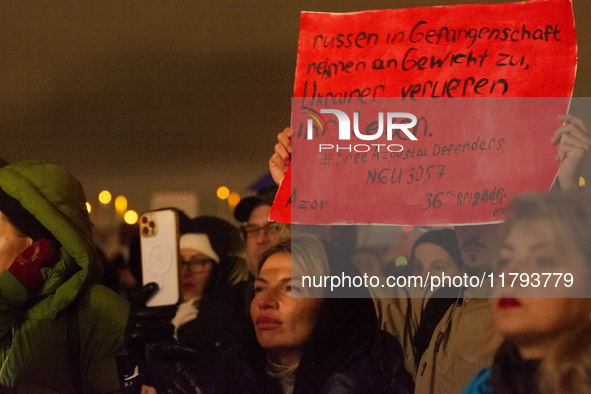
(279, 162)
(574, 144)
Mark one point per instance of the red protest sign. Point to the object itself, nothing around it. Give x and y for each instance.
(456, 68)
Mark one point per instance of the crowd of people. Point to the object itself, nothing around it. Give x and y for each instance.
(246, 323)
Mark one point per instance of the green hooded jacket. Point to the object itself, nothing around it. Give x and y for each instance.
(35, 352)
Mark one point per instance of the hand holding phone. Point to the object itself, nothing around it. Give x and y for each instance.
(147, 324)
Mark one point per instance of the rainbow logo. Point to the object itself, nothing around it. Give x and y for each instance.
(319, 120)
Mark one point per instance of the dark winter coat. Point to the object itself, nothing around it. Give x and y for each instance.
(36, 329)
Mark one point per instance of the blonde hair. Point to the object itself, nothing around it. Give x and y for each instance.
(568, 212)
(567, 367)
(305, 250)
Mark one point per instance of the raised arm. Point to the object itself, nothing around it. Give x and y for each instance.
(573, 145)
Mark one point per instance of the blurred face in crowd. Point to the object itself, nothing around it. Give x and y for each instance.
(282, 324)
(479, 246)
(433, 259)
(260, 233)
(12, 242)
(534, 324)
(195, 271)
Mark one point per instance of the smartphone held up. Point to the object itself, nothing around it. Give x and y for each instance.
(159, 239)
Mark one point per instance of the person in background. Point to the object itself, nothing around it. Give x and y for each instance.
(258, 232)
(213, 313)
(441, 359)
(113, 246)
(212, 282)
(60, 331)
(546, 344)
(435, 253)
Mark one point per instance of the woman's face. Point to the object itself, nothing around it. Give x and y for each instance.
(433, 259)
(195, 271)
(521, 314)
(12, 243)
(282, 324)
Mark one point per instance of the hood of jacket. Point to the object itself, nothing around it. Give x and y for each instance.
(56, 199)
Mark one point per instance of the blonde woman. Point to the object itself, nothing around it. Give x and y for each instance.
(546, 329)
